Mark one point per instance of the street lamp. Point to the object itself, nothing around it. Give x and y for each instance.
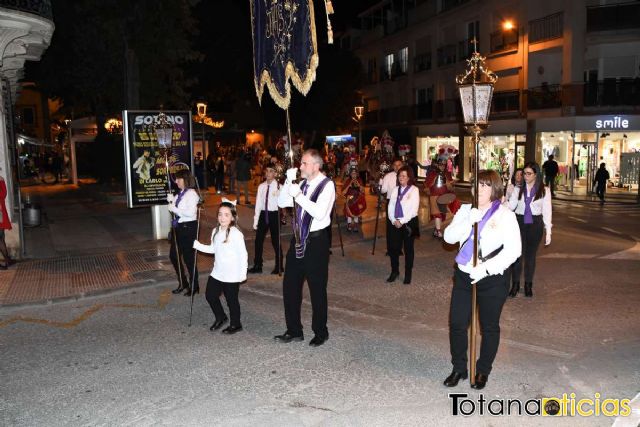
(359, 112)
(202, 115)
(476, 90)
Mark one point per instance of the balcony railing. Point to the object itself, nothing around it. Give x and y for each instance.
(506, 102)
(547, 28)
(37, 7)
(447, 110)
(546, 96)
(502, 40)
(612, 92)
(613, 17)
(450, 4)
(424, 111)
(447, 55)
(396, 72)
(422, 62)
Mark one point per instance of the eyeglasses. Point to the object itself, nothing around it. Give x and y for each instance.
(529, 173)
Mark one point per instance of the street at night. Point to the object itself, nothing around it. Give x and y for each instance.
(319, 213)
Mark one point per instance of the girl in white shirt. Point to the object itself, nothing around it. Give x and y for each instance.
(499, 246)
(533, 210)
(229, 268)
(402, 212)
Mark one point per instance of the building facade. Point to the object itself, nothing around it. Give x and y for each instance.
(25, 33)
(568, 80)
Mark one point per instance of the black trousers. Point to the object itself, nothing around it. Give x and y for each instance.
(399, 238)
(261, 232)
(491, 294)
(531, 235)
(314, 267)
(185, 234)
(214, 289)
(600, 189)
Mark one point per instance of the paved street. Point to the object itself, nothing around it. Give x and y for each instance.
(129, 358)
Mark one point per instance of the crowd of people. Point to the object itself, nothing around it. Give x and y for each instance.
(511, 223)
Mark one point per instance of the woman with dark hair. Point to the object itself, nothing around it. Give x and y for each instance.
(498, 247)
(516, 181)
(532, 205)
(402, 212)
(184, 225)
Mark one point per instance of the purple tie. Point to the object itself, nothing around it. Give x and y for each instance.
(466, 252)
(266, 205)
(398, 212)
(528, 215)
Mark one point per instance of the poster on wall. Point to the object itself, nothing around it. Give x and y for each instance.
(145, 167)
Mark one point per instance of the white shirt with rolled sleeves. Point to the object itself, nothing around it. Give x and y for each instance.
(232, 260)
(410, 204)
(538, 207)
(388, 183)
(187, 209)
(501, 229)
(319, 210)
(274, 191)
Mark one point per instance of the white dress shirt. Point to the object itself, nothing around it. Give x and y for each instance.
(319, 210)
(410, 203)
(388, 183)
(538, 207)
(273, 191)
(232, 260)
(187, 209)
(501, 229)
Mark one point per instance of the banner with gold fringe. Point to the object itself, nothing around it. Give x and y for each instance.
(285, 49)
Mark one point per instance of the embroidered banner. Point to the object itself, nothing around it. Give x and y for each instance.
(285, 50)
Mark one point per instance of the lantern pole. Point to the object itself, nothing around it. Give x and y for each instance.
(476, 75)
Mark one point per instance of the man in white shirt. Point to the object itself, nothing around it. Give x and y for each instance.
(266, 218)
(308, 255)
(387, 184)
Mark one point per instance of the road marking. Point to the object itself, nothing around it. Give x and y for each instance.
(610, 230)
(568, 255)
(631, 253)
(163, 300)
(578, 219)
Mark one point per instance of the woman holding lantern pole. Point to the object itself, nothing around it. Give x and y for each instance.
(499, 246)
(184, 225)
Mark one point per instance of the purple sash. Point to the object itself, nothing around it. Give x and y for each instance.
(466, 252)
(176, 217)
(528, 215)
(304, 219)
(399, 213)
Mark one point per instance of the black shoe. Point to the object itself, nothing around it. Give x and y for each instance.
(515, 288)
(179, 289)
(230, 330)
(528, 292)
(455, 377)
(255, 269)
(481, 381)
(287, 337)
(317, 341)
(218, 323)
(407, 279)
(188, 293)
(392, 277)
(3, 267)
(275, 270)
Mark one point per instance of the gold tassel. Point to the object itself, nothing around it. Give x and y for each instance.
(329, 7)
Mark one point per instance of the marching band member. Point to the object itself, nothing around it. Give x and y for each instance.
(437, 183)
(402, 212)
(266, 218)
(229, 267)
(184, 230)
(309, 258)
(499, 246)
(533, 210)
(355, 203)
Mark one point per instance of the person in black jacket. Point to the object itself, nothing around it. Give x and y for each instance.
(600, 181)
(550, 168)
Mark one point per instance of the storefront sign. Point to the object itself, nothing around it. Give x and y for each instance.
(146, 173)
(612, 123)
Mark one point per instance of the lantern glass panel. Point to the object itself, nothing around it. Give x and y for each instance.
(478, 96)
(165, 136)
